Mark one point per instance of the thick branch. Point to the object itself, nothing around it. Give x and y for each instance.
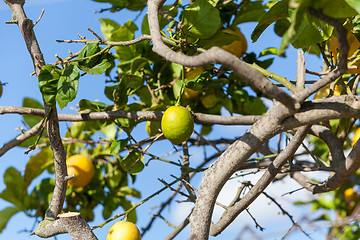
(26, 28)
(71, 223)
(232, 212)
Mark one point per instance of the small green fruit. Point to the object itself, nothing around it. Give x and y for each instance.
(153, 128)
(177, 124)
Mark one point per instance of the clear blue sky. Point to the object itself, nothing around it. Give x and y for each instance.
(64, 19)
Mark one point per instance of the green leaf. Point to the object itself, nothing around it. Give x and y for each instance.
(68, 85)
(13, 192)
(254, 106)
(36, 165)
(278, 11)
(5, 216)
(126, 204)
(251, 11)
(95, 63)
(32, 120)
(337, 8)
(139, 63)
(94, 106)
(354, 4)
(113, 176)
(132, 163)
(201, 19)
(311, 31)
(220, 38)
(108, 27)
(48, 83)
(118, 145)
(126, 191)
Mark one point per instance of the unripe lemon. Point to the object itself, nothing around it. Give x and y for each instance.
(153, 128)
(177, 124)
(123, 231)
(190, 94)
(238, 47)
(83, 169)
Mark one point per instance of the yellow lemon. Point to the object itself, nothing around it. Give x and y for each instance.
(325, 91)
(153, 128)
(350, 194)
(238, 47)
(83, 169)
(123, 231)
(356, 136)
(177, 124)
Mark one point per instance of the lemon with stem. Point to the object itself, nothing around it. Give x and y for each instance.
(177, 124)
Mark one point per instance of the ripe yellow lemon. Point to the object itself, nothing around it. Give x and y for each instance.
(238, 47)
(123, 231)
(153, 128)
(177, 124)
(325, 91)
(350, 194)
(83, 169)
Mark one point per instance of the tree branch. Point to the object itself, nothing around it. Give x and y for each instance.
(57, 200)
(273, 169)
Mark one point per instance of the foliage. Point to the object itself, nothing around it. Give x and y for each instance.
(156, 84)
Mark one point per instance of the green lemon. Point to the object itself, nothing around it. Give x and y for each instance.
(153, 128)
(177, 124)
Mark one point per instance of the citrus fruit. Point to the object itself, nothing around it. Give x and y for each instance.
(325, 91)
(238, 47)
(209, 100)
(177, 124)
(356, 136)
(83, 169)
(123, 231)
(190, 94)
(153, 128)
(350, 194)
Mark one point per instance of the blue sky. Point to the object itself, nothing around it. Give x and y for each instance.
(64, 19)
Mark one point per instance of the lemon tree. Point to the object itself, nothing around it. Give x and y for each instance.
(177, 124)
(123, 230)
(178, 67)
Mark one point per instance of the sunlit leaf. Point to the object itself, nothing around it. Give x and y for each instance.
(201, 19)
(68, 85)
